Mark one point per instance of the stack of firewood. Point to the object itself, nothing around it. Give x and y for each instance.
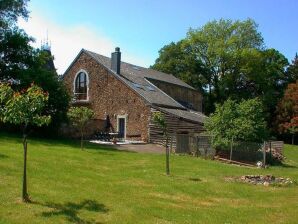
(276, 154)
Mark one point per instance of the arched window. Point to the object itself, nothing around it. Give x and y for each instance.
(81, 87)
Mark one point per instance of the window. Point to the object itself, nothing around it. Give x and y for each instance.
(81, 87)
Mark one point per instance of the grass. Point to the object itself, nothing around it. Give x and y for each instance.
(102, 185)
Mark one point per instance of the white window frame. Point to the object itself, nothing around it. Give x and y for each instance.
(125, 123)
(87, 83)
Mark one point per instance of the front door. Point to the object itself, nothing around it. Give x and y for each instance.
(121, 127)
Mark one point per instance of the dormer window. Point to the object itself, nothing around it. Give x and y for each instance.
(81, 86)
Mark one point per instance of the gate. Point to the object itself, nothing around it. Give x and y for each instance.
(182, 143)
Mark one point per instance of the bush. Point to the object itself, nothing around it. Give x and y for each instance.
(243, 122)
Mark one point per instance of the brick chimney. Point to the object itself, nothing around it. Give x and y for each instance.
(116, 60)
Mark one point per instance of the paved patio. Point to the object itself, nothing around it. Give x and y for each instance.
(136, 147)
(142, 148)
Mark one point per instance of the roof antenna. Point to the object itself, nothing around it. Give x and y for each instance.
(45, 44)
(47, 37)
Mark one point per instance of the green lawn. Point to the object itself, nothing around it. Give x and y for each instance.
(101, 185)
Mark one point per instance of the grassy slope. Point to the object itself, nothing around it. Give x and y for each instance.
(101, 185)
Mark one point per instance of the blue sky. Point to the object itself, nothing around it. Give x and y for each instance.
(140, 28)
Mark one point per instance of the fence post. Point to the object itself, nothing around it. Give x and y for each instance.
(231, 151)
(264, 155)
(172, 142)
(197, 152)
(270, 151)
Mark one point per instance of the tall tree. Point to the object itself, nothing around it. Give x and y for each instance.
(292, 70)
(11, 10)
(15, 50)
(24, 109)
(232, 61)
(20, 61)
(221, 46)
(287, 112)
(177, 59)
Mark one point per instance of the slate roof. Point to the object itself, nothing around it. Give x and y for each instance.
(137, 78)
(190, 115)
(138, 73)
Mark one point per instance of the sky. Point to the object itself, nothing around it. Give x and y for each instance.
(142, 27)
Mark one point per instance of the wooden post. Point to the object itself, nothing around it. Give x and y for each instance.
(197, 152)
(167, 157)
(270, 151)
(231, 151)
(172, 142)
(264, 155)
(25, 195)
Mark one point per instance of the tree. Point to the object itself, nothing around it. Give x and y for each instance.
(292, 71)
(287, 111)
(159, 119)
(15, 51)
(230, 61)
(23, 108)
(20, 61)
(11, 10)
(178, 59)
(79, 117)
(38, 73)
(242, 121)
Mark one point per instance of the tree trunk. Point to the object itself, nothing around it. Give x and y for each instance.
(231, 149)
(293, 139)
(82, 139)
(167, 157)
(25, 193)
(264, 155)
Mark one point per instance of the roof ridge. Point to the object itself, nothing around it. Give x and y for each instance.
(133, 65)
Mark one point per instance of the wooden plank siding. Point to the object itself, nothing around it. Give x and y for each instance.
(175, 126)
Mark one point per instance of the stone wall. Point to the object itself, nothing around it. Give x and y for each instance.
(110, 96)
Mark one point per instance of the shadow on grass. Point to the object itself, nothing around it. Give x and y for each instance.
(195, 179)
(73, 143)
(284, 165)
(2, 156)
(71, 210)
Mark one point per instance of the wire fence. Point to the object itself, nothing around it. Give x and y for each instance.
(200, 145)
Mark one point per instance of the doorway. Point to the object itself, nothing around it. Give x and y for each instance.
(121, 127)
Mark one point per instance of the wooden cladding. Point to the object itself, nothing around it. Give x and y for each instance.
(187, 97)
(175, 126)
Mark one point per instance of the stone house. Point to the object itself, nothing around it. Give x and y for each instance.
(127, 95)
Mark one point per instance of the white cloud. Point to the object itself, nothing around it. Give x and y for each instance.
(66, 42)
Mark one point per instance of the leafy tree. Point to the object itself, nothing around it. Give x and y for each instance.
(159, 119)
(15, 51)
(242, 121)
(23, 108)
(292, 71)
(20, 61)
(79, 117)
(231, 62)
(11, 10)
(48, 79)
(178, 59)
(287, 111)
